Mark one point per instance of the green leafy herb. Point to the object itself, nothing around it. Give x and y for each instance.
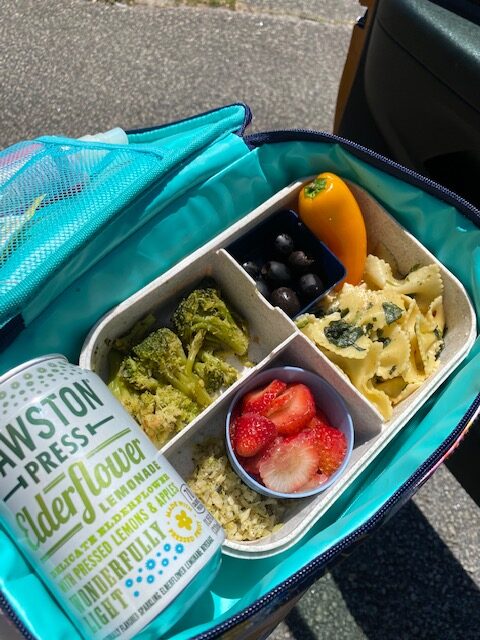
(437, 333)
(383, 339)
(344, 312)
(343, 334)
(368, 327)
(392, 370)
(392, 312)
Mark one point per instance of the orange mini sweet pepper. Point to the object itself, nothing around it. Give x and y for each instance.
(328, 208)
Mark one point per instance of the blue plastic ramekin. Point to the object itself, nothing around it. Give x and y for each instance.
(327, 399)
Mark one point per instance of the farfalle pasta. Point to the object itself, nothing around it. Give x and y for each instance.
(385, 334)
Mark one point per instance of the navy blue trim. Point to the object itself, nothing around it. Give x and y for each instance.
(246, 120)
(371, 157)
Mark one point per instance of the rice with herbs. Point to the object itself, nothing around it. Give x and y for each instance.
(243, 513)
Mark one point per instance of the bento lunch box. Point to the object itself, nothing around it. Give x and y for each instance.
(275, 341)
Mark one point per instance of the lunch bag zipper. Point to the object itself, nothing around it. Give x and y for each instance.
(373, 158)
(239, 132)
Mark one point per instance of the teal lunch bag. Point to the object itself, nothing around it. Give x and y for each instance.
(84, 225)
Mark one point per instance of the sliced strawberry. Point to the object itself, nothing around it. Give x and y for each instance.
(332, 447)
(290, 463)
(252, 434)
(315, 481)
(252, 464)
(259, 400)
(292, 410)
(318, 420)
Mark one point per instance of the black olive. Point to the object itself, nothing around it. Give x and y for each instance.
(310, 285)
(299, 261)
(283, 244)
(251, 268)
(276, 273)
(286, 299)
(263, 288)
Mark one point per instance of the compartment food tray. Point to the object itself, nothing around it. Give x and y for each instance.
(275, 340)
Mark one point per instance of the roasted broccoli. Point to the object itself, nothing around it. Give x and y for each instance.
(215, 372)
(161, 413)
(204, 311)
(162, 354)
(165, 384)
(165, 413)
(193, 348)
(123, 392)
(137, 375)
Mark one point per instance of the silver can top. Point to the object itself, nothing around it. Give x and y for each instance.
(33, 379)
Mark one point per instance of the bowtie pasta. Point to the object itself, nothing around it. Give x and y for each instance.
(386, 334)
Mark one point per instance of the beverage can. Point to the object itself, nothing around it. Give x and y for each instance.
(106, 521)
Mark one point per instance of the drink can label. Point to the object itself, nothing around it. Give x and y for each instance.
(103, 517)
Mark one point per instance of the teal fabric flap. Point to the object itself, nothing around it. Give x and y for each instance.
(193, 213)
(66, 203)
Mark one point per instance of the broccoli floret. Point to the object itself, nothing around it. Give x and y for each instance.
(139, 405)
(162, 354)
(140, 329)
(204, 311)
(193, 348)
(215, 372)
(124, 393)
(137, 375)
(171, 411)
(161, 413)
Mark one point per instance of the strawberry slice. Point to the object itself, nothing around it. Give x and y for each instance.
(315, 481)
(332, 447)
(251, 464)
(290, 463)
(318, 420)
(252, 434)
(292, 410)
(259, 400)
